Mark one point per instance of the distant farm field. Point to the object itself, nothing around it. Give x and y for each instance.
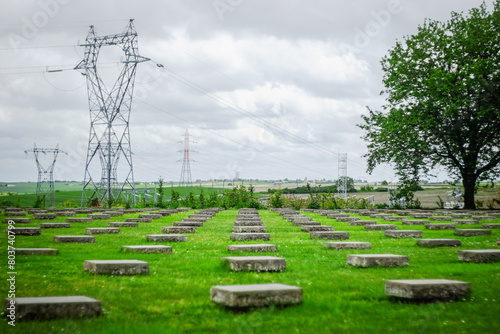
(175, 296)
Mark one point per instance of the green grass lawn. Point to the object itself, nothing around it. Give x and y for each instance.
(175, 296)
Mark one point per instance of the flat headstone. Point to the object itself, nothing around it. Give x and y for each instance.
(440, 226)
(79, 220)
(116, 267)
(305, 222)
(479, 255)
(123, 224)
(300, 218)
(15, 213)
(347, 219)
(472, 232)
(431, 243)
(55, 225)
(480, 218)
(316, 228)
(139, 220)
(421, 289)
(102, 230)
(252, 248)
(421, 215)
(196, 220)
(380, 227)
(250, 236)
(362, 222)
(46, 308)
(28, 231)
(178, 229)
(166, 237)
(394, 218)
(415, 222)
(329, 235)
(377, 260)
(465, 221)
(403, 234)
(491, 225)
(188, 223)
(248, 223)
(17, 220)
(348, 245)
(151, 215)
(74, 238)
(148, 249)
(99, 216)
(65, 214)
(255, 295)
(255, 263)
(337, 215)
(44, 216)
(37, 251)
(114, 214)
(440, 218)
(249, 229)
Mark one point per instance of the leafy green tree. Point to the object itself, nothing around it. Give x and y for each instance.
(161, 191)
(276, 200)
(174, 199)
(202, 201)
(443, 102)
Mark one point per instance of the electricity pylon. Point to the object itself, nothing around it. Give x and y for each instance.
(45, 183)
(109, 137)
(186, 167)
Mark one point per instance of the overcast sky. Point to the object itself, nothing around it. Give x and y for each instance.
(299, 74)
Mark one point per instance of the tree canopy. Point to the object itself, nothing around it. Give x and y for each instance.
(443, 102)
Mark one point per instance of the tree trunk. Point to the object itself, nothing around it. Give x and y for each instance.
(469, 189)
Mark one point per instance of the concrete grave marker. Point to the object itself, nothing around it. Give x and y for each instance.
(479, 255)
(47, 308)
(431, 243)
(472, 232)
(377, 260)
(55, 225)
(147, 249)
(166, 237)
(256, 295)
(116, 267)
(74, 238)
(250, 236)
(348, 245)
(332, 235)
(255, 263)
(421, 289)
(37, 251)
(403, 234)
(102, 230)
(252, 248)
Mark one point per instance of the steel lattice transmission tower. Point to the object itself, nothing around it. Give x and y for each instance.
(186, 167)
(45, 183)
(109, 138)
(342, 181)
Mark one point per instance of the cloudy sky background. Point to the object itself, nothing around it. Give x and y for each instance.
(298, 74)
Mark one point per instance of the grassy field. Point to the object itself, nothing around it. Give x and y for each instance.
(175, 297)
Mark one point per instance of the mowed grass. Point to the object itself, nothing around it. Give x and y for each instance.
(175, 296)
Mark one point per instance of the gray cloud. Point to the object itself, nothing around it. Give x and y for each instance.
(269, 88)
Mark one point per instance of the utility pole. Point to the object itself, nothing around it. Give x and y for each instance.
(109, 138)
(186, 167)
(45, 183)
